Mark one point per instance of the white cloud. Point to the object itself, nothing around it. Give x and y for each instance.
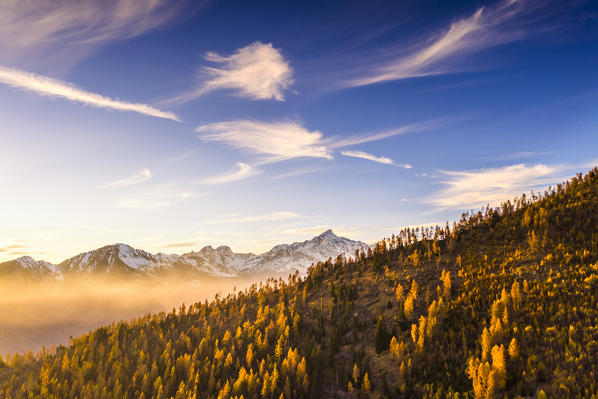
(244, 171)
(268, 217)
(55, 88)
(94, 227)
(485, 28)
(8, 250)
(411, 128)
(70, 29)
(518, 155)
(276, 141)
(475, 189)
(591, 164)
(151, 201)
(184, 244)
(139, 177)
(258, 71)
(297, 172)
(370, 157)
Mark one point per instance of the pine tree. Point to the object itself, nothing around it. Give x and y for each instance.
(499, 365)
(355, 374)
(486, 343)
(513, 349)
(381, 335)
(365, 385)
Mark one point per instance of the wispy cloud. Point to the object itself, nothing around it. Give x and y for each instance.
(139, 177)
(186, 244)
(590, 164)
(370, 157)
(12, 247)
(258, 71)
(150, 200)
(244, 171)
(22, 246)
(411, 128)
(97, 228)
(485, 28)
(297, 172)
(49, 87)
(519, 155)
(474, 189)
(70, 29)
(267, 217)
(276, 140)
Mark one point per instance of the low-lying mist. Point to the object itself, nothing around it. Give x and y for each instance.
(37, 315)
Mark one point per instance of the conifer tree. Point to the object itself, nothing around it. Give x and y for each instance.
(381, 335)
(366, 385)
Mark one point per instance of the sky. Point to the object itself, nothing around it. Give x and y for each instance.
(171, 125)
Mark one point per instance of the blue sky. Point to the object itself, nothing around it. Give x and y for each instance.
(173, 125)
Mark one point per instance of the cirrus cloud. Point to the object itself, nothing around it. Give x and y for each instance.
(71, 29)
(244, 171)
(370, 157)
(282, 140)
(275, 140)
(477, 188)
(399, 131)
(267, 217)
(49, 87)
(508, 21)
(151, 200)
(258, 71)
(143, 175)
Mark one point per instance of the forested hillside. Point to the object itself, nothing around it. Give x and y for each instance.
(502, 304)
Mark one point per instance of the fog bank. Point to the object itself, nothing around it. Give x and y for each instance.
(37, 315)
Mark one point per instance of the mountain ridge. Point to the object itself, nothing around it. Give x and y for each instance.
(121, 259)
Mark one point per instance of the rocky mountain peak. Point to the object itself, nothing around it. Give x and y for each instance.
(328, 234)
(123, 259)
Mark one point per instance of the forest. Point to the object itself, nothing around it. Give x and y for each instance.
(503, 303)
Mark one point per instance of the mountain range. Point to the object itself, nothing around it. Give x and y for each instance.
(121, 260)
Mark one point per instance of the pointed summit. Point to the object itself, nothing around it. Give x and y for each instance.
(119, 257)
(119, 246)
(224, 249)
(24, 260)
(328, 233)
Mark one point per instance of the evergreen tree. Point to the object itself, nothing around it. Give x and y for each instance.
(381, 335)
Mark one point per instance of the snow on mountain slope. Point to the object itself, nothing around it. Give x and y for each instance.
(300, 255)
(124, 260)
(222, 261)
(117, 258)
(27, 267)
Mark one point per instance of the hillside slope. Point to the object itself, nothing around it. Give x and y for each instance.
(503, 304)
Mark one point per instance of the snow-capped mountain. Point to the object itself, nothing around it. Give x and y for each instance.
(26, 268)
(113, 259)
(300, 255)
(120, 260)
